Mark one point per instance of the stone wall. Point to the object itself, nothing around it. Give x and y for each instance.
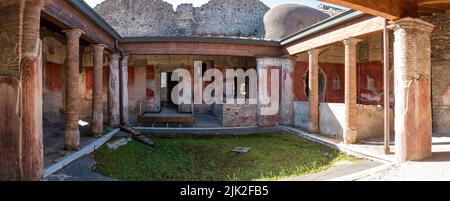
(235, 115)
(440, 71)
(157, 18)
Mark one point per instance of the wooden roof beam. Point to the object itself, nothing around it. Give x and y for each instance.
(389, 9)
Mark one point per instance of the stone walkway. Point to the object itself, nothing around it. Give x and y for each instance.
(80, 170)
(340, 169)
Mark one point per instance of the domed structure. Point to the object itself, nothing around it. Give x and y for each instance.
(286, 19)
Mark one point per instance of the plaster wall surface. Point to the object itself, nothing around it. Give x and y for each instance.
(370, 120)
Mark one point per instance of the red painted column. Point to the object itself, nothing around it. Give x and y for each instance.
(21, 144)
(313, 90)
(412, 66)
(351, 110)
(72, 132)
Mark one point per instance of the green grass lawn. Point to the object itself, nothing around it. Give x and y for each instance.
(189, 158)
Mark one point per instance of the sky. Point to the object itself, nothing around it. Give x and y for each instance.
(197, 3)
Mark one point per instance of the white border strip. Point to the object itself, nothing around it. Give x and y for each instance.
(195, 129)
(362, 174)
(340, 147)
(84, 151)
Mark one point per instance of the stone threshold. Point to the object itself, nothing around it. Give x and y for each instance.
(353, 150)
(77, 155)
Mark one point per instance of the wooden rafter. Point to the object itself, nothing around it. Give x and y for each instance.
(389, 9)
(432, 2)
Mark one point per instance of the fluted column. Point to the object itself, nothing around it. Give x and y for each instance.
(97, 92)
(72, 132)
(125, 102)
(114, 91)
(313, 90)
(412, 66)
(351, 110)
(31, 67)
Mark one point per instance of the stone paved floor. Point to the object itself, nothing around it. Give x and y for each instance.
(434, 168)
(79, 170)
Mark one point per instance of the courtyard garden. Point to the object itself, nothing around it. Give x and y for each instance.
(209, 158)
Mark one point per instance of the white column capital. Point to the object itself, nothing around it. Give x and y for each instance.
(314, 51)
(114, 56)
(98, 47)
(411, 23)
(351, 41)
(73, 33)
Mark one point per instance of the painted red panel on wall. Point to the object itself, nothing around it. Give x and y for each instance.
(370, 83)
(53, 76)
(131, 77)
(334, 83)
(89, 71)
(368, 94)
(299, 83)
(150, 72)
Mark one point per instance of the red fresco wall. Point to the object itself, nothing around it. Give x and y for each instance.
(131, 77)
(375, 71)
(332, 70)
(53, 76)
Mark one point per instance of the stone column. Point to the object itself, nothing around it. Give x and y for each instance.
(31, 68)
(268, 70)
(412, 66)
(125, 101)
(114, 91)
(313, 90)
(351, 107)
(287, 114)
(21, 144)
(72, 132)
(97, 92)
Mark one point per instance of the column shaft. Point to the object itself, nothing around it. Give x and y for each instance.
(114, 91)
(72, 132)
(412, 63)
(351, 109)
(314, 90)
(125, 101)
(97, 92)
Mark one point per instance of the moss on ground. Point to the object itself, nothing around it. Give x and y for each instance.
(193, 158)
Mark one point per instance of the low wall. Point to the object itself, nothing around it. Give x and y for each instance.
(236, 115)
(332, 117)
(301, 109)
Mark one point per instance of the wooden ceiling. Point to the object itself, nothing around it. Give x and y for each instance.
(395, 9)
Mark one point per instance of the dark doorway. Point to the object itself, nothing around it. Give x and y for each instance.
(167, 86)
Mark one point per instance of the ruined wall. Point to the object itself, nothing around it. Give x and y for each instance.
(157, 18)
(440, 71)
